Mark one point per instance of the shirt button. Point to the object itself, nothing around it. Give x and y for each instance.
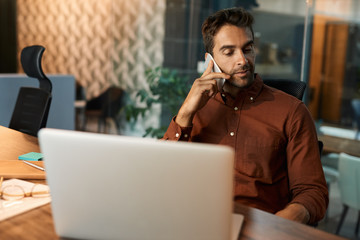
(177, 135)
(185, 135)
(251, 99)
(232, 134)
(236, 108)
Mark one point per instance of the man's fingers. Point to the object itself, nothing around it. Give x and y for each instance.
(209, 68)
(207, 87)
(204, 83)
(215, 75)
(209, 93)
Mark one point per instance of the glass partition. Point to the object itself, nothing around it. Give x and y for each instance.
(334, 66)
(278, 28)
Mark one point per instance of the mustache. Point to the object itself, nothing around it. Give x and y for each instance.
(242, 68)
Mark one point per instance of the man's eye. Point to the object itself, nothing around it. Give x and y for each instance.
(248, 49)
(228, 53)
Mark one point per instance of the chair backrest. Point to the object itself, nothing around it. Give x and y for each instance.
(31, 110)
(33, 104)
(294, 88)
(321, 146)
(109, 102)
(355, 103)
(349, 180)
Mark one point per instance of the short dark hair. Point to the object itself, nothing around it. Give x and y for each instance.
(233, 16)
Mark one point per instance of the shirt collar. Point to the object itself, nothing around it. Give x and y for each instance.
(252, 91)
(255, 88)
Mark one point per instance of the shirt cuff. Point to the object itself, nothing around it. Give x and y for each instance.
(177, 133)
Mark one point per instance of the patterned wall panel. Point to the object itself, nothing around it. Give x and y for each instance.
(102, 43)
(138, 30)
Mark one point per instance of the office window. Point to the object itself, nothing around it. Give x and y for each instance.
(334, 65)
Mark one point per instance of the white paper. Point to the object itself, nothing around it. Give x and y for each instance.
(237, 221)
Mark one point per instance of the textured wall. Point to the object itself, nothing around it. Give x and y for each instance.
(101, 43)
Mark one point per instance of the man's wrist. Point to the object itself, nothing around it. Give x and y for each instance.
(184, 119)
(306, 213)
(296, 212)
(307, 216)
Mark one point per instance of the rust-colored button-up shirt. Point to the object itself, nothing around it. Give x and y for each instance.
(277, 159)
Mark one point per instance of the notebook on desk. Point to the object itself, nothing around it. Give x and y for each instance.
(108, 186)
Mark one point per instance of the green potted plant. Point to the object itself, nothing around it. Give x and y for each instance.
(166, 87)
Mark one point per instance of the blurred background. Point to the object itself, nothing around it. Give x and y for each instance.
(117, 43)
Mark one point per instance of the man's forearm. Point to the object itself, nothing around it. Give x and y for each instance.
(296, 212)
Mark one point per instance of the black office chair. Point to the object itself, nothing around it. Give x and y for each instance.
(32, 106)
(294, 88)
(355, 103)
(106, 105)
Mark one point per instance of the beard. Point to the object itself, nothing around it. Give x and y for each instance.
(242, 81)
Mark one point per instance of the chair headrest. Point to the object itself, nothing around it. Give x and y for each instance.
(31, 63)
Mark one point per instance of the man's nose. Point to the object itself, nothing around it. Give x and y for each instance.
(241, 59)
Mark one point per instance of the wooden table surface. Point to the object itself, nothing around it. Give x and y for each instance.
(38, 223)
(262, 225)
(338, 145)
(14, 143)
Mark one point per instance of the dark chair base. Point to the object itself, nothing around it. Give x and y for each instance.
(342, 218)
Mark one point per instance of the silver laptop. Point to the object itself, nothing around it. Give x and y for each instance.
(117, 187)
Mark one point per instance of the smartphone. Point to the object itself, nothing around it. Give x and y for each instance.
(220, 81)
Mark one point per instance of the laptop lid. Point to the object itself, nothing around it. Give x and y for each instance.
(118, 187)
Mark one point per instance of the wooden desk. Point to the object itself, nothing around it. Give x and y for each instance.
(338, 145)
(38, 223)
(14, 143)
(262, 225)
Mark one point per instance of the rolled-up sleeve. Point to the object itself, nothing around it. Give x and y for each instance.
(177, 133)
(306, 177)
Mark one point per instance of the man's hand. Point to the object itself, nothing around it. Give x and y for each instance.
(201, 91)
(295, 212)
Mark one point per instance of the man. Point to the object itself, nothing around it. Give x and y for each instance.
(277, 160)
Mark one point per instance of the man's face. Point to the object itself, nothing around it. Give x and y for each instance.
(234, 53)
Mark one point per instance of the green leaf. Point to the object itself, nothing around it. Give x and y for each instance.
(167, 87)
